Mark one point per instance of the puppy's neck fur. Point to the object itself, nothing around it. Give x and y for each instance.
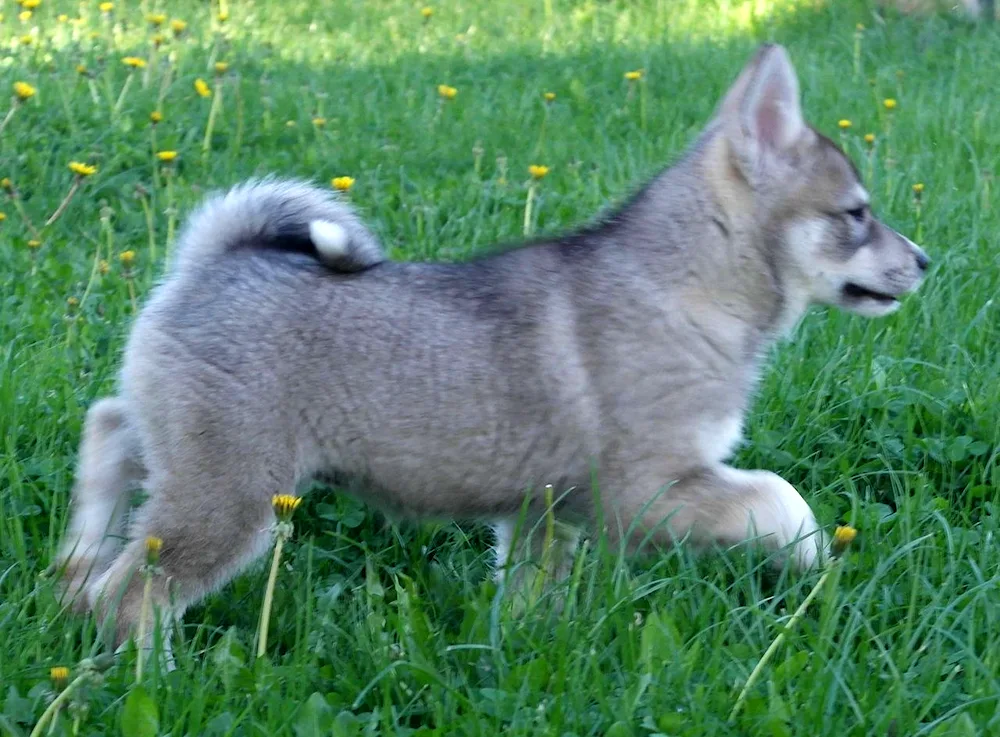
(747, 263)
(711, 251)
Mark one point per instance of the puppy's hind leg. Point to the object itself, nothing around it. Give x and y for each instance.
(211, 508)
(110, 466)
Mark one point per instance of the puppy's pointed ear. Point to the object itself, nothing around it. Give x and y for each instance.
(761, 114)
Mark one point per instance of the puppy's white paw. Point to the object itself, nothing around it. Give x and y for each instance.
(782, 516)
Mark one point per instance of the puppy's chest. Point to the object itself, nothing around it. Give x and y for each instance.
(717, 439)
(701, 428)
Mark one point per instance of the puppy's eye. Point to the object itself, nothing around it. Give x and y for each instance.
(858, 213)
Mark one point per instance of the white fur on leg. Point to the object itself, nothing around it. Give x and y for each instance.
(504, 532)
(778, 513)
(567, 537)
(108, 468)
(95, 517)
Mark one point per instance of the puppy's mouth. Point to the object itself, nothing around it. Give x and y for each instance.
(856, 292)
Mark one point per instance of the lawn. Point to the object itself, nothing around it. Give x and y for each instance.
(379, 627)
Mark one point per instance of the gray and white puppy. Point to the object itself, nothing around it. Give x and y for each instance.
(282, 346)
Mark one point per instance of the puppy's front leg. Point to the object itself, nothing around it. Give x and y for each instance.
(725, 506)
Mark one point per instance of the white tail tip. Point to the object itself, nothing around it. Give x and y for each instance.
(329, 238)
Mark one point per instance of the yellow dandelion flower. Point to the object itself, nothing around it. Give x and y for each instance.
(427, 11)
(447, 92)
(23, 90)
(157, 39)
(134, 61)
(844, 124)
(153, 547)
(127, 258)
(34, 244)
(3, 216)
(178, 26)
(285, 504)
(549, 96)
(157, 19)
(538, 171)
(633, 75)
(918, 188)
(223, 16)
(890, 103)
(166, 155)
(319, 122)
(342, 183)
(24, 16)
(62, 17)
(59, 675)
(843, 536)
(81, 69)
(27, 40)
(202, 88)
(30, 4)
(6, 184)
(869, 138)
(72, 302)
(156, 117)
(81, 169)
(221, 67)
(106, 7)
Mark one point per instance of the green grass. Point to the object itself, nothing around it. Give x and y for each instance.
(383, 628)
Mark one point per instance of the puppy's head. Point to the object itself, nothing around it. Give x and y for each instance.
(808, 199)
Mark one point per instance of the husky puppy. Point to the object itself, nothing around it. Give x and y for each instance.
(283, 346)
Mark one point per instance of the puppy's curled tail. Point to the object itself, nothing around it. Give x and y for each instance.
(281, 215)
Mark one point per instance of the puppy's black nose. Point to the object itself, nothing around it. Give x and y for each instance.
(923, 261)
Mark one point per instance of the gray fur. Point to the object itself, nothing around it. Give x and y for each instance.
(274, 213)
(630, 350)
